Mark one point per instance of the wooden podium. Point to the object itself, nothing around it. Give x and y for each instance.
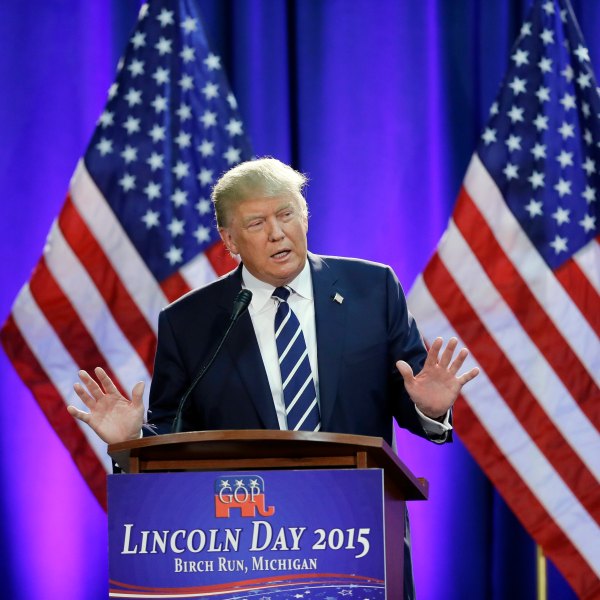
(242, 450)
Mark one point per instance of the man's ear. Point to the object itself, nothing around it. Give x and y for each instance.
(228, 240)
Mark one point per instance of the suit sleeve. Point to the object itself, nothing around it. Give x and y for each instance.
(405, 343)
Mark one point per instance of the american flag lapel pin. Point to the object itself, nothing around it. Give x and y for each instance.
(338, 298)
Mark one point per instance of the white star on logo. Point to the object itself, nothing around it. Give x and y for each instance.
(589, 166)
(186, 82)
(536, 179)
(206, 148)
(568, 74)
(559, 244)
(582, 53)
(584, 80)
(157, 133)
(189, 25)
(549, 8)
(176, 227)
(183, 140)
(165, 17)
(515, 114)
(205, 176)
(539, 151)
(136, 67)
(514, 142)
(188, 54)
(511, 171)
(129, 154)
(127, 182)
(565, 159)
(184, 112)
(543, 94)
(547, 36)
(563, 187)
(526, 29)
(210, 90)
(566, 130)
(202, 234)
(568, 101)
(534, 208)
(212, 62)
(203, 206)
(181, 170)
(520, 57)
(174, 255)
(231, 101)
(208, 118)
(138, 40)
(152, 190)
(156, 161)
(232, 155)
(489, 136)
(132, 125)
(179, 197)
(517, 85)
(561, 216)
(104, 146)
(163, 46)
(541, 122)
(161, 75)
(160, 104)
(234, 127)
(133, 97)
(589, 194)
(588, 223)
(151, 219)
(545, 65)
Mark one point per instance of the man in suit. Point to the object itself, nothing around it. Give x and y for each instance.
(358, 346)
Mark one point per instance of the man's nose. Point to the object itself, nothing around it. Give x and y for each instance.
(275, 230)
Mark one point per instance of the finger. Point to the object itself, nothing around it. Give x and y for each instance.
(405, 370)
(137, 394)
(432, 355)
(468, 376)
(83, 395)
(92, 386)
(457, 363)
(448, 352)
(78, 414)
(107, 383)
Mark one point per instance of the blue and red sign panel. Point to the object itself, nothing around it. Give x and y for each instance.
(268, 535)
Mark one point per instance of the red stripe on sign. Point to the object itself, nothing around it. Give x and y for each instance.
(54, 408)
(510, 386)
(174, 287)
(525, 307)
(123, 308)
(556, 545)
(581, 291)
(221, 261)
(67, 325)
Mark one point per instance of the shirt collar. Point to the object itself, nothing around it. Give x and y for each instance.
(262, 292)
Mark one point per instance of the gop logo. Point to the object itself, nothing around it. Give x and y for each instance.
(246, 493)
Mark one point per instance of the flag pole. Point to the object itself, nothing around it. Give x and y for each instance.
(542, 581)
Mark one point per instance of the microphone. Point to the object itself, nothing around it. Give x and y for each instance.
(240, 306)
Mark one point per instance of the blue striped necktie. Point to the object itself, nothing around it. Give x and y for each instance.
(299, 392)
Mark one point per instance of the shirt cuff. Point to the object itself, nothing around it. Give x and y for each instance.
(435, 428)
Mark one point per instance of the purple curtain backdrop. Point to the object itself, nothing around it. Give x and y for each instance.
(381, 104)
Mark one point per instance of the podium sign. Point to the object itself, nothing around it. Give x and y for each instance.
(254, 534)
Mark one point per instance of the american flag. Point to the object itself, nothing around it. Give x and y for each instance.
(516, 277)
(136, 230)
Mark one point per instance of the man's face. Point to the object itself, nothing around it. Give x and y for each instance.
(269, 234)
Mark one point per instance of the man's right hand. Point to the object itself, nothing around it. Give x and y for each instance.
(113, 417)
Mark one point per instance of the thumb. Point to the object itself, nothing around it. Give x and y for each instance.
(405, 370)
(137, 393)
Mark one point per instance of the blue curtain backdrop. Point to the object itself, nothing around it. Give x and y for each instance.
(381, 103)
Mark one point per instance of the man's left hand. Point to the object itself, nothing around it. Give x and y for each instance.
(435, 389)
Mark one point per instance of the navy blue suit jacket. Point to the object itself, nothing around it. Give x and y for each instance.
(358, 342)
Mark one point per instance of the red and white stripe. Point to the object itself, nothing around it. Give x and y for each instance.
(531, 419)
(92, 301)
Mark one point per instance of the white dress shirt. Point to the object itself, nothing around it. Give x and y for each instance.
(262, 311)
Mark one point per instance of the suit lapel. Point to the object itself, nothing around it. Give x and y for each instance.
(242, 346)
(330, 322)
